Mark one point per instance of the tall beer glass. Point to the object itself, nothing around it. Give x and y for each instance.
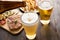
(45, 10)
(30, 24)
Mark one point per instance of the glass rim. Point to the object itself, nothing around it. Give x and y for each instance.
(29, 23)
(51, 2)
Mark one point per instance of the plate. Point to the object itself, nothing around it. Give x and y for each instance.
(5, 26)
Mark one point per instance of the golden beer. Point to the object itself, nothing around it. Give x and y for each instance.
(45, 9)
(30, 30)
(30, 24)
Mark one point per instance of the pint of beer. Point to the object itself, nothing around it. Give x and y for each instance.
(30, 24)
(45, 9)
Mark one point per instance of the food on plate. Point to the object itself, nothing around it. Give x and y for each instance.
(2, 22)
(14, 22)
(30, 5)
(2, 19)
(8, 13)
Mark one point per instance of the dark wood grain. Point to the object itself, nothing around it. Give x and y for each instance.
(43, 33)
(9, 5)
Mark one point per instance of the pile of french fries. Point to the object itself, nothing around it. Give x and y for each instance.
(30, 5)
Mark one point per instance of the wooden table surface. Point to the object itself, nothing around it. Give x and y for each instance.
(51, 32)
(43, 33)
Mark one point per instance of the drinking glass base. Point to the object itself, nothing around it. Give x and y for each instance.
(31, 36)
(45, 21)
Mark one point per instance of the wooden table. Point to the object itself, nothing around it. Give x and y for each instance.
(52, 32)
(9, 5)
(43, 33)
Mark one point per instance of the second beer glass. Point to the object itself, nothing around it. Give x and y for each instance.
(45, 10)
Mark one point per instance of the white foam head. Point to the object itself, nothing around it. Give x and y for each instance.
(29, 18)
(45, 5)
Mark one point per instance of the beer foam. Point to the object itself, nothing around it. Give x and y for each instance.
(29, 18)
(45, 5)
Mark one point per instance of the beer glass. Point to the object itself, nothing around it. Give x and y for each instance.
(45, 10)
(30, 24)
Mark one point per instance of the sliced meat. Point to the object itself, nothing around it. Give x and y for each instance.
(2, 22)
(14, 22)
